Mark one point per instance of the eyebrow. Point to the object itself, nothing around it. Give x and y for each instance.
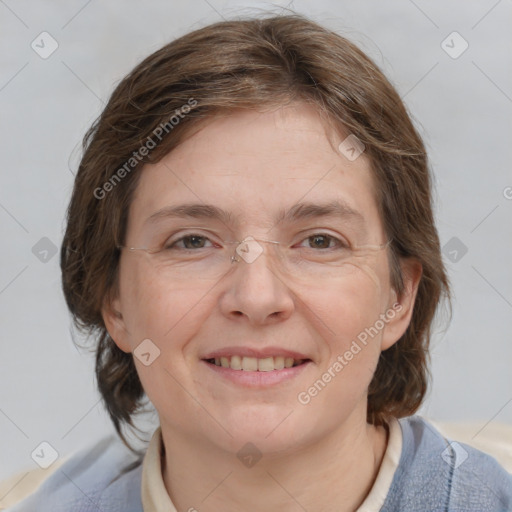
(300, 211)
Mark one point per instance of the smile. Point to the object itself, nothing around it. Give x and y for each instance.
(254, 364)
(256, 373)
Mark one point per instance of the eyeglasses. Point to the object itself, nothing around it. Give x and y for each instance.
(195, 256)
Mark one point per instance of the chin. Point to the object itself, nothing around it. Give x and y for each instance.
(267, 427)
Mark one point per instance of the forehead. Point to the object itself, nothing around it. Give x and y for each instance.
(258, 168)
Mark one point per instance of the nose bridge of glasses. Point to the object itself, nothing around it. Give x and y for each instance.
(250, 248)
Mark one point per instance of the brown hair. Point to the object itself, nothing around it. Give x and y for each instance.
(251, 64)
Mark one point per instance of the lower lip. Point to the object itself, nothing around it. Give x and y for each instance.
(258, 379)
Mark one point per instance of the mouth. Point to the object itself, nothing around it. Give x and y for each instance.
(254, 364)
(255, 372)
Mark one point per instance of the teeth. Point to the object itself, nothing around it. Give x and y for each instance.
(278, 363)
(249, 364)
(252, 364)
(236, 363)
(266, 365)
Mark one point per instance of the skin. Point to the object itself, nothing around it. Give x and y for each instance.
(253, 164)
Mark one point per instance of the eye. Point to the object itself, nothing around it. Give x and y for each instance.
(324, 241)
(189, 242)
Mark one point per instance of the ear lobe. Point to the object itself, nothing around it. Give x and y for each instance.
(114, 322)
(403, 304)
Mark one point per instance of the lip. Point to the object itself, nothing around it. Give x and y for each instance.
(261, 353)
(257, 379)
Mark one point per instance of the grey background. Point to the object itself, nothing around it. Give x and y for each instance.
(462, 107)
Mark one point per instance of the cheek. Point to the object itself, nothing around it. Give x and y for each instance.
(350, 344)
(153, 308)
(354, 299)
(345, 316)
(169, 317)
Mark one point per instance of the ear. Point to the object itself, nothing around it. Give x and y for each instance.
(402, 305)
(115, 324)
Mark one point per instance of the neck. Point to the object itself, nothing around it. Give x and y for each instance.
(335, 473)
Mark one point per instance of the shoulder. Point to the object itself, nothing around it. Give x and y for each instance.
(105, 476)
(439, 474)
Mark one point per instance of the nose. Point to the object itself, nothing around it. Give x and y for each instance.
(255, 291)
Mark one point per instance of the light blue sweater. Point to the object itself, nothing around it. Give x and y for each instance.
(433, 476)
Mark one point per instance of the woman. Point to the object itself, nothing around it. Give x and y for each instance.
(251, 242)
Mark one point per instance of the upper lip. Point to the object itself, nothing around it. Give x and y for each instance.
(260, 353)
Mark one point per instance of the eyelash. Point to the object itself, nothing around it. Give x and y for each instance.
(341, 244)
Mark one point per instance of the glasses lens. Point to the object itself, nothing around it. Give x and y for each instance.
(195, 258)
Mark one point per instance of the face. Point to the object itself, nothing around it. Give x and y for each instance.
(259, 314)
